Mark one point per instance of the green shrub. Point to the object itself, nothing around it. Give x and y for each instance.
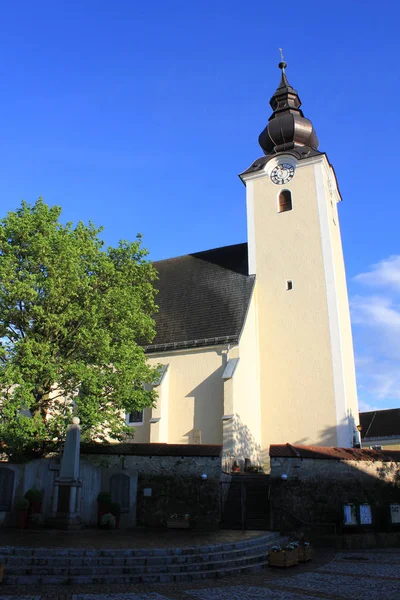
(104, 498)
(21, 504)
(34, 495)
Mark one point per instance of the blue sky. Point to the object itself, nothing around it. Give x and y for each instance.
(139, 116)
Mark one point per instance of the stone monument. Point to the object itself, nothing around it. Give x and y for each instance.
(68, 486)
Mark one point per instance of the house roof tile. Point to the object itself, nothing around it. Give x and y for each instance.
(325, 452)
(380, 423)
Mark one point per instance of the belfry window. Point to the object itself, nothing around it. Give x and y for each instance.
(285, 201)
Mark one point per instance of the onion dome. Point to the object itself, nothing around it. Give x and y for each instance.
(287, 127)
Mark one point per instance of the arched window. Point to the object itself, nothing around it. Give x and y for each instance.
(285, 201)
(120, 490)
(6, 488)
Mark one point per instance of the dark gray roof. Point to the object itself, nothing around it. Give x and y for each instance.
(380, 423)
(203, 298)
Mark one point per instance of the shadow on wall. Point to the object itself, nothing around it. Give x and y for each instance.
(311, 500)
(326, 437)
(240, 442)
(208, 408)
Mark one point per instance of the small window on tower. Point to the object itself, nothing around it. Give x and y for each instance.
(289, 284)
(285, 201)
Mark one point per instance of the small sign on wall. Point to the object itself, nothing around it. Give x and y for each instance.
(395, 513)
(350, 514)
(147, 492)
(357, 514)
(365, 514)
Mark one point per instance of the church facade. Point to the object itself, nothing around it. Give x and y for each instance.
(255, 339)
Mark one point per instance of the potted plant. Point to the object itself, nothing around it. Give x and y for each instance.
(305, 552)
(35, 499)
(115, 509)
(177, 521)
(107, 521)
(36, 520)
(22, 507)
(104, 502)
(284, 556)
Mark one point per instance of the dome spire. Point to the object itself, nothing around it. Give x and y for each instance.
(287, 127)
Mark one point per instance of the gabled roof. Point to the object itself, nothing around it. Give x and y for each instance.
(380, 423)
(203, 298)
(326, 452)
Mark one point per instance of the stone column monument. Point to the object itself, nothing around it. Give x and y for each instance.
(68, 486)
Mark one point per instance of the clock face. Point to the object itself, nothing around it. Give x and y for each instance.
(282, 173)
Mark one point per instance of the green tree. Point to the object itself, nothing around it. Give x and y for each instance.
(72, 317)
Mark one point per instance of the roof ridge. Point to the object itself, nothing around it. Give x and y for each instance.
(195, 254)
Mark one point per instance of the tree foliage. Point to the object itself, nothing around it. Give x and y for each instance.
(72, 316)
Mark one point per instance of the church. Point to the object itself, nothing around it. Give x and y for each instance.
(254, 340)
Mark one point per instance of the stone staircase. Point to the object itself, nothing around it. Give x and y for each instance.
(57, 566)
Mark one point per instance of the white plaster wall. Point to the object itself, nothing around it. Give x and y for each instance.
(195, 394)
(243, 432)
(350, 410)
(296, 374)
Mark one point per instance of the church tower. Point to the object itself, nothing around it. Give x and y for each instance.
(306, 362)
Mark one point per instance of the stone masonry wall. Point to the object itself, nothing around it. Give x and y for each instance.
(316, 489)
(171, 484)
(165, 485)
(338, 470)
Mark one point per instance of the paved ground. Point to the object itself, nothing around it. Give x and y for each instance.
(366, 575)
(135, 538)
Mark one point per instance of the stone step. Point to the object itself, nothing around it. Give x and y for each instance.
(42, 566)
(94, 561)
(140, 552)
(133, 579)
(135, 570)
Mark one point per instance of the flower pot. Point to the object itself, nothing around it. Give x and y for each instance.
(178, 524)
(35, 507)
(283, 558)
(22, 519)
(102, 509)
(305, 554)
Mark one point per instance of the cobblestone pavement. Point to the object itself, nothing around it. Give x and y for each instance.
(364, 575)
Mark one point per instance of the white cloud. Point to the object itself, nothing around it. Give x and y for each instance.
(365, 407)
(385, 273)
(376, 326)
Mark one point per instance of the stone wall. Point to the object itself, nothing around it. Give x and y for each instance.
(171, 484)
(312, 495)
(305, 469)
(159, 486)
